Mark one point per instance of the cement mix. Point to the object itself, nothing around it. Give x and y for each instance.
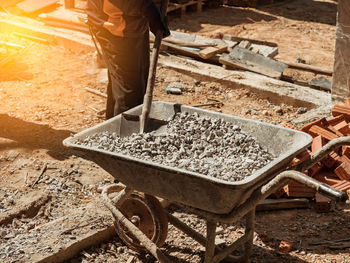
(208, 146)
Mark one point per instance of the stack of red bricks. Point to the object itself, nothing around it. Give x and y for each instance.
(334, 169)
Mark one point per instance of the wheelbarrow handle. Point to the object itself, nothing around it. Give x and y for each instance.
(332, 193)
(322, 188)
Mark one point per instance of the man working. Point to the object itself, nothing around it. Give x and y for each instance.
(122, 29)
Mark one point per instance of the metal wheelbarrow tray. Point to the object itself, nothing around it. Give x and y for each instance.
(214, 199)
(189, 188)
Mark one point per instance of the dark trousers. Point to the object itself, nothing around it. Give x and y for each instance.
(128, 61)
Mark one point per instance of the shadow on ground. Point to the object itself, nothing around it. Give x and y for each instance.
(300, 10)
(28, 135)
(222, 16)
(305, 10)
(303, 227)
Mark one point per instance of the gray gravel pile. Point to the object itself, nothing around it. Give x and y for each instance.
(209, 146)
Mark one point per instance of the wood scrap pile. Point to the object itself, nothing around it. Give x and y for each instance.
(240, 53)
(230, 51)
(334, 169)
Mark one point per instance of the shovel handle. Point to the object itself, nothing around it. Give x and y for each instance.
(147, 100)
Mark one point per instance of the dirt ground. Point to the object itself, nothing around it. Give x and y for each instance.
(43, 101)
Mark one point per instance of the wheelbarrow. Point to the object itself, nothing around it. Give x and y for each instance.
(141, 221)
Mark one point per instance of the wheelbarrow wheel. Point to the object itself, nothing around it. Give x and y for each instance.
(146, 212)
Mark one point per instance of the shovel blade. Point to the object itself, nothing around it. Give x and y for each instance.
(131, 124)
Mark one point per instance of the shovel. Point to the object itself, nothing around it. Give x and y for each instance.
(133, 123)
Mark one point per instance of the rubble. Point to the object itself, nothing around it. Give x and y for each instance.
(334, 169)
(205, 145)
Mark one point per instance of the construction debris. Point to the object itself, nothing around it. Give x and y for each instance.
(333, 169)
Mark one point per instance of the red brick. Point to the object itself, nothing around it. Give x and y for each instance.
(285, 246)
(321, 122)
(323, 204)
(317, 130)
(343, 171)
(317, 143)
(315, 169)
(347, 102)
(278, 194)
(342, 186)
(301, 157)
(335, 120)
(344, 159)
(335, 131)
(346, 151)
(341, 110)
(331, 159)
(328, 178)
(343, 127)
(294, 189)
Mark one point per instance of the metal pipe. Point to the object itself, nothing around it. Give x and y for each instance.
(186, 229)
(124, 193)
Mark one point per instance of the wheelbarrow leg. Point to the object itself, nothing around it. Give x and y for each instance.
(249, 230)
(210, 242)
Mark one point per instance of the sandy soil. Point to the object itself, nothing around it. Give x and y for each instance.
(43, 101)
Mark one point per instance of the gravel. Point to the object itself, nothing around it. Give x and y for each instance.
(209, 146)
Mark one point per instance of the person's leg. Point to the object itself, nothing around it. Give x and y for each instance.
(132, 73)
(127, 60)
(104, 39)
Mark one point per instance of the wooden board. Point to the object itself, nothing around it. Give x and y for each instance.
(245, 59)
(30, 6)
(264, 50)
(212, 51)
(279, 204)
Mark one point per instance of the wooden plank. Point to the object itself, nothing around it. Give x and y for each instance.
(30, 6)
(234, 63)
(245, 59)
(279, 204)
(311, 68)
(212, 51)
(190, 52)
(264, 50)
(253, 41)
